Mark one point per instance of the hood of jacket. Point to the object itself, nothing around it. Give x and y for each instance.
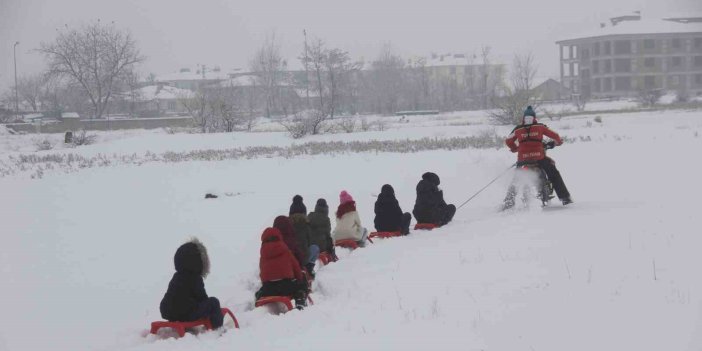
(192, 257)
(322, 207)
(387, 194)
(272, 244)
(283, 224)
(298, 218)
(432, 177)
(345, 208)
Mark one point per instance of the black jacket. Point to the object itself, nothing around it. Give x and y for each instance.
(320, 229)
(187, 288)
(388, 214)
(430, 204)
(302, 233)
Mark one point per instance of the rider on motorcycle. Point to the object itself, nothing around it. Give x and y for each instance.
(527, 140)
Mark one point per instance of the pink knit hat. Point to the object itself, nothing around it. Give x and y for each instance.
(345, 197)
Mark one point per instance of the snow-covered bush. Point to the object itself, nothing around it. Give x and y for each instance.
(71, 162)
(43, 144)
(347, 124)
(83, 138)
(305, 122)
(649, 97)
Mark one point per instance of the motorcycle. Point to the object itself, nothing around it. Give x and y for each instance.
(532, 178)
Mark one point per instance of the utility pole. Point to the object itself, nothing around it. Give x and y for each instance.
(14, 52)
(307, 74)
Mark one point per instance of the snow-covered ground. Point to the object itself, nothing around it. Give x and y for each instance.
(87, 255)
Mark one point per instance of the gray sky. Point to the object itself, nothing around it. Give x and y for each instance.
(174, 34)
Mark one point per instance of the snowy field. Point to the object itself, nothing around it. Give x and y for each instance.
(87, 252)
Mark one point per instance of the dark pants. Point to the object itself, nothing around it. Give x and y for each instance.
(284, 287)
(405, 223)
(447, 214)
(211, 309)
(552, 173)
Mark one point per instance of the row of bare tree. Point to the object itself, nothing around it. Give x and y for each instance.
(88, 66)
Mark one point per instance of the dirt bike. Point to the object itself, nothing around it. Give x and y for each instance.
(542, 186)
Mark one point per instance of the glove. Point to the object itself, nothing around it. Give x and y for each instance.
(513, 150)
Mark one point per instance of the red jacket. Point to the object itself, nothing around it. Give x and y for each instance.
(277, 262)
(526, 139)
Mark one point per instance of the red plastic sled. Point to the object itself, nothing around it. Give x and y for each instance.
(325, 258)
(180, 327)
(425, 226)
(285, 300)
(384, 235)
(349, 243)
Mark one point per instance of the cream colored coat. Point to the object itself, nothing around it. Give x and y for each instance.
(348, 227)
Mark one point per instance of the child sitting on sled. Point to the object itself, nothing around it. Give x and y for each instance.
(280, 272)
(186, 299)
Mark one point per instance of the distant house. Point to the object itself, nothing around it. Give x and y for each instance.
(551, 90)
(462, 70)
(155, 100)
(632, 53)
(197, 78)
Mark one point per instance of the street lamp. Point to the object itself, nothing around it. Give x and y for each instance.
(14, 52)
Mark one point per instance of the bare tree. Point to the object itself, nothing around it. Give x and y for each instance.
(488, 78)
(340, 72)
(30, 89)
(386, 82)
(269, 64)
(509, 107)
(96, 56)
(197, 106)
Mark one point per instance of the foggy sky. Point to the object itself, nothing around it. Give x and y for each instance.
(174, 34)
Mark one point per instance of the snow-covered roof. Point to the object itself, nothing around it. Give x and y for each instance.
(70, 115)
(449, 60)
(196, 74)
(161, 92)
(657, 25)
(240, 81)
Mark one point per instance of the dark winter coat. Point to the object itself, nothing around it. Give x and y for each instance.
(285, 226)
(187, 288)
(388, 214)
(277, 262)
(320, 228)
(302, 234)
(430, 205)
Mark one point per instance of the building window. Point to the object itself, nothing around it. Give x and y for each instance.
(649, 62)
(676, 61)
(595, 67)
(585, 54)
(622, 47)
(452, 70)
(649, 82)
(675, 43)
(596, 49)
(698, 61)
(622, 65)
(675, 80)
(649, 44)
(596, 85)
(622, 83)
(698, 79)
(607, 66)
(698, 43)
(607, 84)
(607, 48)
